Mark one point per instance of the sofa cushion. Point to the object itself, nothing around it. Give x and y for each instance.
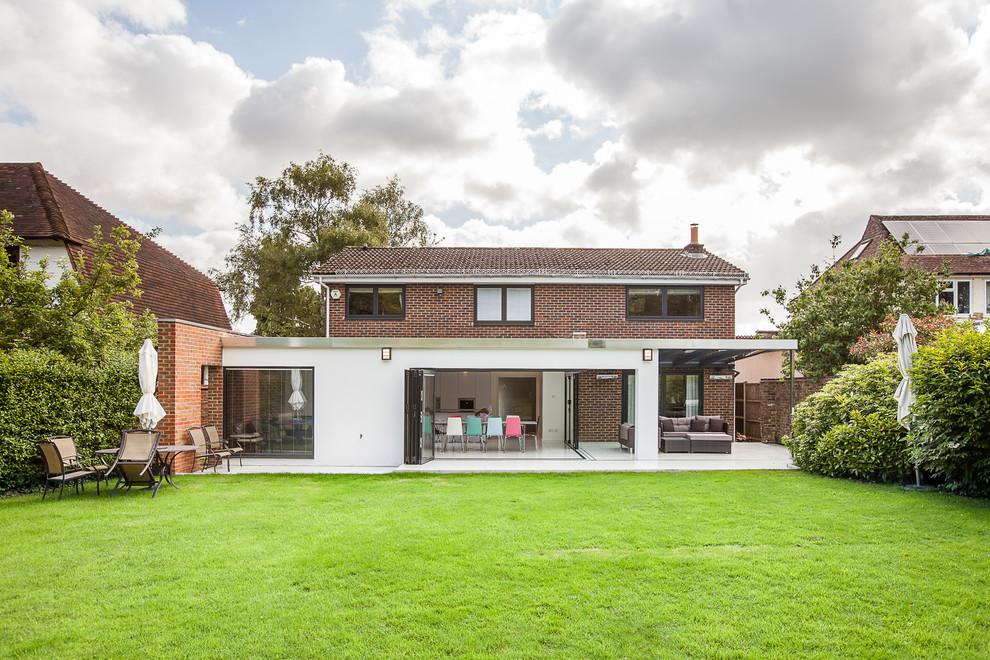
(699, 424)
(666, 424)
(716, 424)
(682, 424)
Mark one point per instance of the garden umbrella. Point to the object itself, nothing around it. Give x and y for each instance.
(148, 410)
(297, 400)
(904, 334)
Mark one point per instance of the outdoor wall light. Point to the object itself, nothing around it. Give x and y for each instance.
(647, 355)
(439, 290)
(386, 353)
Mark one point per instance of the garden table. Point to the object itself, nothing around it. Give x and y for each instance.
(170, 452)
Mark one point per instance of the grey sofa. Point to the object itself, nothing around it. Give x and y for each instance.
(699, 434)
(627, 437)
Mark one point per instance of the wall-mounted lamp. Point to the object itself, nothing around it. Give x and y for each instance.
(386, 353)
(647, 355)
(439, 290)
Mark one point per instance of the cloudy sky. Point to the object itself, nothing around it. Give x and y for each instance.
(596, 123)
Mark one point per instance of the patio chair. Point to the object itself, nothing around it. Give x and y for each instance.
(474, 432)
(135, 460)
(455, 427)
(217, 444)
(73, 460)
(205, 452)
(513, 429)
(494, 430)
(55, 470)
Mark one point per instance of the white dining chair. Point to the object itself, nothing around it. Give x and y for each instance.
(455, 427)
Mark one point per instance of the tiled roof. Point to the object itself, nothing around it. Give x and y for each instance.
(45, 207)
(875, 232)
(490, 261)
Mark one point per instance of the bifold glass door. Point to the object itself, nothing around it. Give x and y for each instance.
(420, 416)
(570, 410)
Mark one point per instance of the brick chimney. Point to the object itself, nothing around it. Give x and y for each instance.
(694, 248)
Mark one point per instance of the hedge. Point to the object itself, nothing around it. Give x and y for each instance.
(43, 393)
(849, 428)
(951, 429)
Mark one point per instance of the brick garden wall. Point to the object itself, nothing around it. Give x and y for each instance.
(559, 310)
(183, 349)
(775, 404)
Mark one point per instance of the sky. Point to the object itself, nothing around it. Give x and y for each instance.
(773, 124)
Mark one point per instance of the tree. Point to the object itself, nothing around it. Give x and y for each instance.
(877, 342)
(81, 315)
(299, 221)
(834, 308)
(951, 430)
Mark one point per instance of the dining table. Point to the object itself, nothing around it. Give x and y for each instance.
(166, 464)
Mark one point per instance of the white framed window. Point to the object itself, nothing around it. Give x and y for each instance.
(957, 294)
(503, 305)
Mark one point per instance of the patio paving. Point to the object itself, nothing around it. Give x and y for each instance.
(744, 456)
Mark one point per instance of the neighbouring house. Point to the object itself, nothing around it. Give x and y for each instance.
(56, 221)
(575, 341)
(959, 244)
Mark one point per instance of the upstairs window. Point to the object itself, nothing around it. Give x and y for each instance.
(13, 254)
(957, 295)
(664, 302)
(380, 302)
(503, 305)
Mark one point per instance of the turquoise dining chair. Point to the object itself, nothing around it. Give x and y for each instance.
(494, 430)
(474, 432)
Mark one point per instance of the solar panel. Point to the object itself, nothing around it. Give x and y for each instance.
(944, 237)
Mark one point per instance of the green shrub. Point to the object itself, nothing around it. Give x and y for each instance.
(850, 428)
(43, 393)
(951, 428)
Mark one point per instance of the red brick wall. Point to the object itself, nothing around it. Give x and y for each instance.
(183, 349)
(559, 310)
(599, 407)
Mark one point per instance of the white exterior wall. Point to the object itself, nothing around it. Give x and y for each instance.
(358, 398)
(54, 251)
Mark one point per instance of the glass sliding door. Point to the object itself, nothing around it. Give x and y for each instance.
(680, 394)
(628, 397)
(420, 416)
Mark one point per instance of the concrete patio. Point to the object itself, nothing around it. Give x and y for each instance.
(744, 456)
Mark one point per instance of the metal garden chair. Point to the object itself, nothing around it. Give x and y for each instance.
(135, 460)
(55, 470)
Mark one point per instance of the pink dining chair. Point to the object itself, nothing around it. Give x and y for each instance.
(513, 429)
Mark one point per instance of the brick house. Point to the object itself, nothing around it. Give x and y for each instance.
(574, 340)
(959, 244)
(56, 221)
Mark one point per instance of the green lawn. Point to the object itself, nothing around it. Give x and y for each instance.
(668, 565)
